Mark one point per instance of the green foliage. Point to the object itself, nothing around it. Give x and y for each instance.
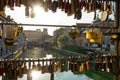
(75, 49)
(64, 40)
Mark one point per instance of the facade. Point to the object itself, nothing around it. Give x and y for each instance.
(37, 38)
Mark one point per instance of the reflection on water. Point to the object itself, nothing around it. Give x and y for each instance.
(66, 75)
(38, 75)
(57, 76)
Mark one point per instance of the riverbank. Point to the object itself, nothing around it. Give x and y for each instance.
(95, 75)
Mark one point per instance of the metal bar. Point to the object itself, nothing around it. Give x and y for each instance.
(80, 25)
(36, 25)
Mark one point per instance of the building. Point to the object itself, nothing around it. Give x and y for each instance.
(18, 43)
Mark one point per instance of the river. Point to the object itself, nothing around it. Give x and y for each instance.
(41, 53)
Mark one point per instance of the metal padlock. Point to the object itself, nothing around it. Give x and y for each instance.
(33, 65)
(56, 66)
(46, 66)
(69, 65)
(15, 70)
(103, 64)
(76, 67)
(87, 66)
(43, 67)
(65, 65)
(38, 65)
(11, 71)
(7, 69)
(29, 64)
(29, 70)
(50, 67)
(109, 64)
(2, 70)
(24, 69)
(82, 67)
(96, 64)
(20, 69)
(62, 66)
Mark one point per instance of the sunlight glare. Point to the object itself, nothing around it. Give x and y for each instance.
(49, 56)
(35, 74)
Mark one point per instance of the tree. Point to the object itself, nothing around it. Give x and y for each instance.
(64, 40)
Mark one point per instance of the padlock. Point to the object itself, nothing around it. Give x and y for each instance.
(7, 69)
(72, 66)
(50, 67)
(1, 68)
(62, 65)
(33, 65)
(65, 65)
(24, 69)
(81, 67)
(43, 67)
(46, 70)
(87, 66)
(69, 64)
(29, 70)
(76, 67)
(11, 71)
(15, 71)
(107, 68)
(56, 66)
(38, 65)
(97, 64)
(103, 64)
(110, 64)
(20, 71)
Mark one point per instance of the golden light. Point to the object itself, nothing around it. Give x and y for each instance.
(114, 36)
(35, 74)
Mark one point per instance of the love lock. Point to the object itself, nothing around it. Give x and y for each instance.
(73, 33)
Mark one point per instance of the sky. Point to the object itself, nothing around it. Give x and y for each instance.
(47, 18)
